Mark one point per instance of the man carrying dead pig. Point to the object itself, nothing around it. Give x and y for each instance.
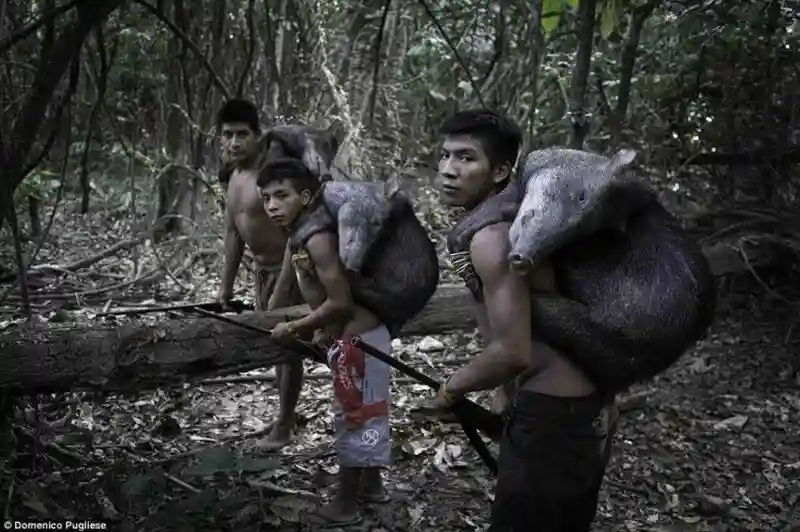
(555, 446)
(247, 224)
(361, 384)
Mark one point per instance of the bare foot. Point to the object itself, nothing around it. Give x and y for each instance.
(335, 514)
(280, 436)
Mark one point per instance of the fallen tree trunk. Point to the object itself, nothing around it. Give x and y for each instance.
(133, 357)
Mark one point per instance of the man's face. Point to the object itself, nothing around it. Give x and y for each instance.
(239, 141)
(283, 203)
(466, 176)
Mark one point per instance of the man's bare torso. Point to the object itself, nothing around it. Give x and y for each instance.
(556, 375)
(314, 295)
(265, 239)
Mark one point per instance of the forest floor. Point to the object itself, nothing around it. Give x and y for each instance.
(712, 444)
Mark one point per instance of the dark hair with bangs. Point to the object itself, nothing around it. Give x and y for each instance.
(288, 169)
(238, 110)
(500, 137)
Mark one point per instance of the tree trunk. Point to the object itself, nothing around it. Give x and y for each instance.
(33, 213)
(171, 186)
(135, 356)
(640, 16)
(535, 62)
(580, 75)
(278, 22)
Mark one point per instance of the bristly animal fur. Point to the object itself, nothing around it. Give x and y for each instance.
(398, 272)
(630, 301)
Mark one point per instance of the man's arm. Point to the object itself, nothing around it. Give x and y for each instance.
(283, 286)
(338, 306)
(234, 249)
(507, 301)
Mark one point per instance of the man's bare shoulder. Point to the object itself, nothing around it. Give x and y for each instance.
(489, 251)
(490, 247)
(235, 184)
(243, 176)
(323, 246)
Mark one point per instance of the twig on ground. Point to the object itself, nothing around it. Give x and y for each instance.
(626, 487)
(97, 257)
(55, 268)
(53, 449)
(179, 456)
(166, 269)
(77, 265)
(271, 487)
(181, 483)
(169, 477)
(148, 277)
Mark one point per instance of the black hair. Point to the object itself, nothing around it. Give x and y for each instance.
(288, 169)
(238, 110)
(500, 137)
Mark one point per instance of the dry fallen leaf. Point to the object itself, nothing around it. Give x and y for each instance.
(290, 507)
(735, 422)
(417, 446)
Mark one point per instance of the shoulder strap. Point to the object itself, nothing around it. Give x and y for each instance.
(310, 224)
(501, 207)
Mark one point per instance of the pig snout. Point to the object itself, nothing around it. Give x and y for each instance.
(352, 250)
(519, 264)
(518, 227)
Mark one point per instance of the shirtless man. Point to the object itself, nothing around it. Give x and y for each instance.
(246, 224)
(360, 382)
(556, 441)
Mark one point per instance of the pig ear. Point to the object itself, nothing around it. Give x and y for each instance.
(263, 141)
(391, 186)
(621, 160)
(271, 149)
(337, 132)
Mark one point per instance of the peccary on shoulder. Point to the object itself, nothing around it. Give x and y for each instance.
(315, 147)
(635, 292)
(391, 260)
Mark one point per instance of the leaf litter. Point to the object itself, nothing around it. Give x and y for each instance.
(712, 450)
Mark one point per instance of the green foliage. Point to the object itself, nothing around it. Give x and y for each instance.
(39, 184)
(551, 14)
(681, 98)
(609, 17)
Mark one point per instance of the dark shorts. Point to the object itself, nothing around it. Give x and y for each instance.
(552, 460)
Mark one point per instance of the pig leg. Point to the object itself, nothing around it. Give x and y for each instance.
(567, 326)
